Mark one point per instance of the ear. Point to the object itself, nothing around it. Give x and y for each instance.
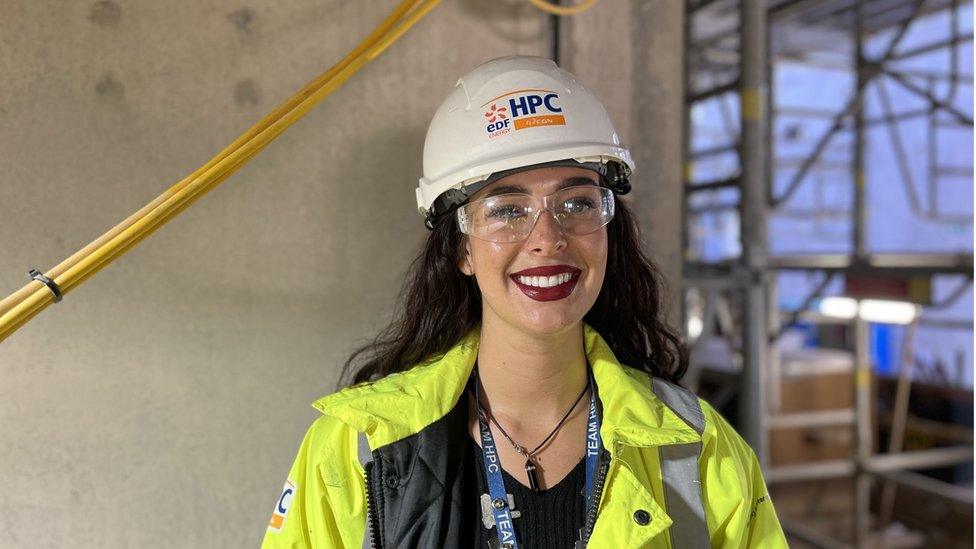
(464, 258)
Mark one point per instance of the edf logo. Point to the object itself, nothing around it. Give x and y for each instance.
(523, 109)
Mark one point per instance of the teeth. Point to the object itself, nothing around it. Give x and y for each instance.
(545, 281)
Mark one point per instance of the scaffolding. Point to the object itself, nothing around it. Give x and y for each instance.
(732, 49)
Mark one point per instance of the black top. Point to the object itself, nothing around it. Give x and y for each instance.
(551, 518)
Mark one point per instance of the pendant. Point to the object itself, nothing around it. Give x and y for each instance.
(533, 478)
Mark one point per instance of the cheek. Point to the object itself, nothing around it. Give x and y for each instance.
(604, 256)
(595, 250)
(490, 260)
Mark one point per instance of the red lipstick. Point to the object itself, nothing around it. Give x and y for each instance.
(551, 293)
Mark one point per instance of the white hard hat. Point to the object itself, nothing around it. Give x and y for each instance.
(511, 114)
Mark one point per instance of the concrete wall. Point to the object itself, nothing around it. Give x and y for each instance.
(161, 403)
(630, 54)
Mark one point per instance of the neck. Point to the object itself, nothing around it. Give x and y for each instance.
(530, 378)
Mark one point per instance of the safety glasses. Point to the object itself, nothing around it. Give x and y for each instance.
(579, 210)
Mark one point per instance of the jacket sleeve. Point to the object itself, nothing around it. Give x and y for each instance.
(741, 511)
(764, 527)
(303, 514)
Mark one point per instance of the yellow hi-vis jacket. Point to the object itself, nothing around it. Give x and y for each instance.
(324, 501)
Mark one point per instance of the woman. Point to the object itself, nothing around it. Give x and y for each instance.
(526, 394)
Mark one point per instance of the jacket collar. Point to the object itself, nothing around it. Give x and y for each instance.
(400, 405)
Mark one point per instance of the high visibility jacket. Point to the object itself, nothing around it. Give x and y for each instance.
(414, 422)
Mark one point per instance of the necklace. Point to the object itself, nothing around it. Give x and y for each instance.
(530, 466)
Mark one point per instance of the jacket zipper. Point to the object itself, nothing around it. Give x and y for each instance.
(598, 492)
(372, 514)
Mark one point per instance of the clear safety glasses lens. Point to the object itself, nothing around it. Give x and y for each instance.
(578, 210)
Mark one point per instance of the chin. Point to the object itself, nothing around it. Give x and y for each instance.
(548, 323)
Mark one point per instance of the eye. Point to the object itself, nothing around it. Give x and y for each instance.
(505, 212)
(578, 205)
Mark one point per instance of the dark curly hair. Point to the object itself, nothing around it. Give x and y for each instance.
(438, 305)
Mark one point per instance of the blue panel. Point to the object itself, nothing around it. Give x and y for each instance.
(880, 336)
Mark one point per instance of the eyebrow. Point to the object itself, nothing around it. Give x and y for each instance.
(569, 182)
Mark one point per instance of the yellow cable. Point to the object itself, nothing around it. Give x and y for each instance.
(369, 42)
(555, 9)
(17, 310)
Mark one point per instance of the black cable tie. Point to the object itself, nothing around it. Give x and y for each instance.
(52, 285)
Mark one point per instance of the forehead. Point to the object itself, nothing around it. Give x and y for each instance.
(541, 181)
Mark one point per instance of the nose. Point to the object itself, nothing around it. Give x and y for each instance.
(547, 235)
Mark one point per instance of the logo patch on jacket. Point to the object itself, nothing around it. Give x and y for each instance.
(284, 503)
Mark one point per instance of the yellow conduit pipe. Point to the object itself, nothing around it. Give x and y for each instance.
(8, 303)
(555, 9)
(30, 300)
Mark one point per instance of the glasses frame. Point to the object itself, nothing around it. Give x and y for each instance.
(548, 204)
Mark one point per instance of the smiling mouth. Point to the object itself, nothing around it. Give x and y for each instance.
(547, 288)
(544, 281)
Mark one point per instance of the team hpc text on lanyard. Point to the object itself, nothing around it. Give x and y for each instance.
(496, 485)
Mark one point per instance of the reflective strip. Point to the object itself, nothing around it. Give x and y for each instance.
(682, 495)
(679, 471)
(681, 401)
(366, 456)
